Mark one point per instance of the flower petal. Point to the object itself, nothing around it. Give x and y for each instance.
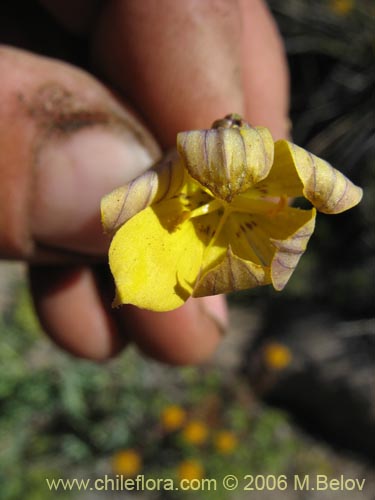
(162, 181)
(252, 235)
(148, 259)
(290, 250)
(230, 274)
(227, 161)
(324, 186)
(254, 250)
(282, 180)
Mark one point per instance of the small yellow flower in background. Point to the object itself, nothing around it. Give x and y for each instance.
(190, 469)
(225, 442)
(277, 356)
(127, 462)
(195, 432)
(173, 417)
(215, 216)
(342, 7)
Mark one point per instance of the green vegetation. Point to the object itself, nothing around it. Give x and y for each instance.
(63, 417)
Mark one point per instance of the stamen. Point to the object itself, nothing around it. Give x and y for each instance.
(223, 218)
(283, 202)
(269, 207)
(205, 209)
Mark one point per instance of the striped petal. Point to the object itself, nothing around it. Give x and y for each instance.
(227, 161)
(161, 182)
(255, 250)
(230, 274)
(324, 186)
(289, 251)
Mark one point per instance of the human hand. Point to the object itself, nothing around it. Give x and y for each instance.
(66, 140)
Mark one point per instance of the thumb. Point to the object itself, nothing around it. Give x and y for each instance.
(65, 141)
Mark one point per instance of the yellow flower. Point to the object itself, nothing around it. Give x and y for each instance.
(214, 217)
(173, 417)
(127, 462)
(342, 7)
(277, 356)
(195, 432)
(190, 469)
(225, 442)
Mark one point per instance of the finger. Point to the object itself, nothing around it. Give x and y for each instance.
(262, 60)
(265, 73)
(177, 62)
(72, 311)
(186, 335)
(75, 142)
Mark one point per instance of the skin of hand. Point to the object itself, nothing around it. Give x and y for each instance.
(66, 139)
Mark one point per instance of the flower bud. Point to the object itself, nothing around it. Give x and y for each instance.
(229, 158)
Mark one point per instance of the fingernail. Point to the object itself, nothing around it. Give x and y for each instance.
(215, 306)
(72, 175)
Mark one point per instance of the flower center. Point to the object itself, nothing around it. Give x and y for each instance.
(240, 204)
(211, 216)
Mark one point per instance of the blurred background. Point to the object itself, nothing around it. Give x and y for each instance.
(291, 390)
